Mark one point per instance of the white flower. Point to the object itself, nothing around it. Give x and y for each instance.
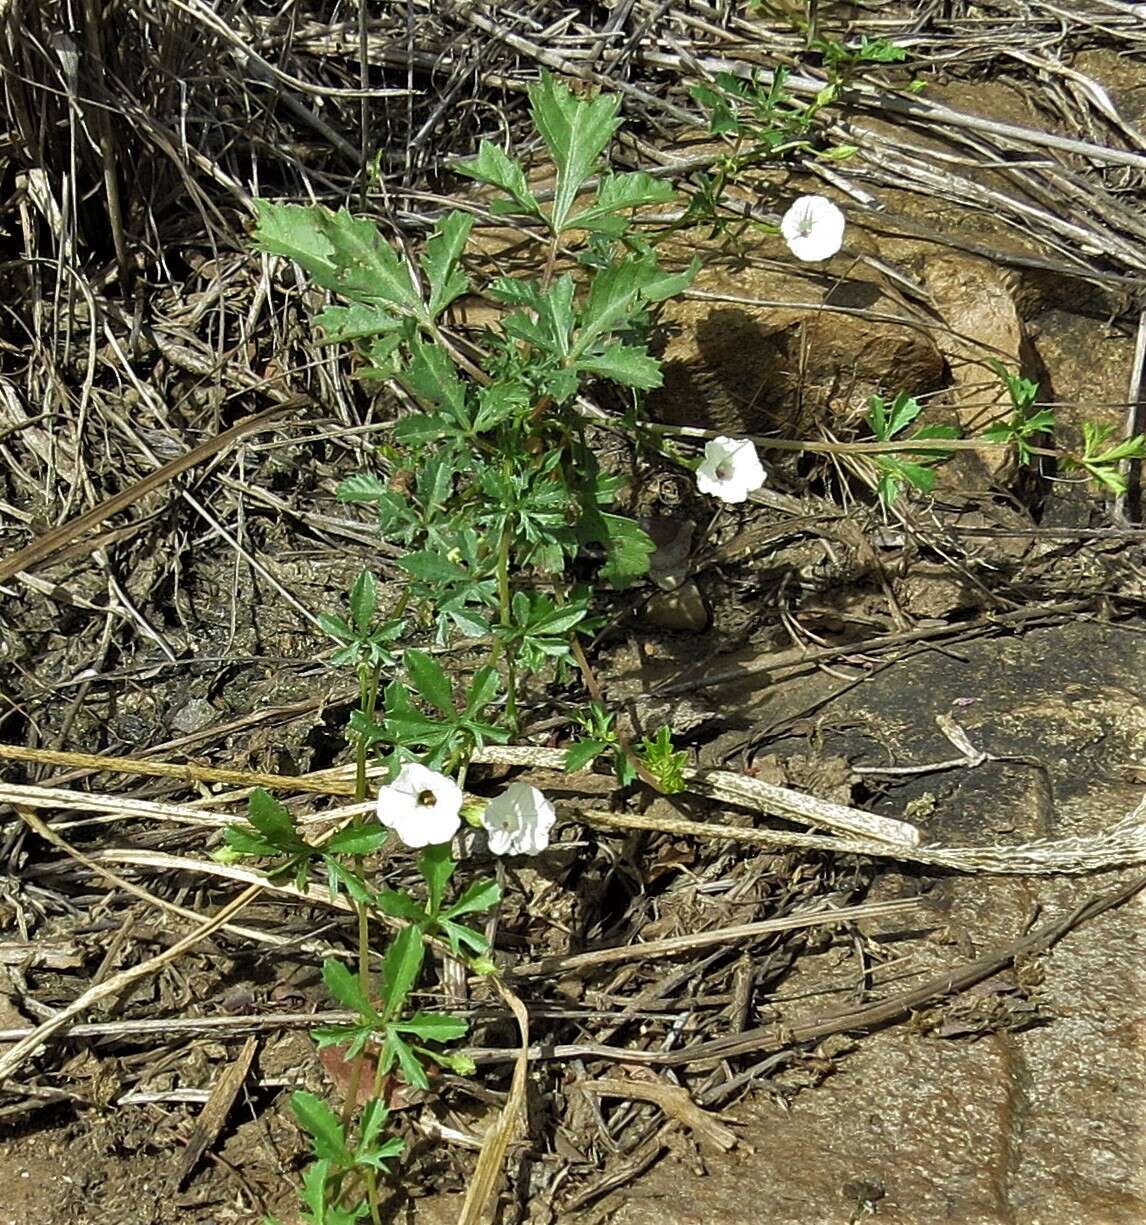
(421, 806)
(519, 821)
(813, 228)
(731, 469)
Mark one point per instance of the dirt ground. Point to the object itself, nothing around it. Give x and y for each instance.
(810, 642)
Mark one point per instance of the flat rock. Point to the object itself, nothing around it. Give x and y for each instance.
(986, 1126)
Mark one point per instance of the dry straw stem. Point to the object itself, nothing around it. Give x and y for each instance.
(1122, 845)
(817, 916)
(12, 1058)
(670, 946)
(740, 789)
(858, 1019)
(93, 863)
(672, 1099)
(490, 1167)
(43, 547)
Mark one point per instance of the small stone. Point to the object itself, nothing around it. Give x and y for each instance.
(682, 609)
(194, 716)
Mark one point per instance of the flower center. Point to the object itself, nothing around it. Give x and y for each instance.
(807, 225)
(724, 470)
(427, 799)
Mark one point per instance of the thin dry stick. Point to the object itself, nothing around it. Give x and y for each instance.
(51, 542)
(1122, 845)
(246, 933)
(722, 935)
(322, 782)
(129, 806)
(741, 789)
(672, 1099)
(491, 1161)
(14, 1057)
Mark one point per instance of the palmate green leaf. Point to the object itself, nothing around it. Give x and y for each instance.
(576, 131)
(579, 754)
(618, 295)
(339, 877)
(400, 968)
(480, 895)
(901, 413)
(430, 377)
(430, 680)
(514, 291)
(436, 865)
(895, 473)
(319, 1122)
(339, 252)
(431, 567)
(469, 623)
(420, 428)
(552, 330)
(357, 840)
(500, 402)
(627, 545)
(394, 1049)
(629, 365)
(313, 1191)
(375, 1116)
(459, 935)
(628, 548)
(384, 355)
(363, 600)
(399, 906)
(357, 322)
(722, 119)
(484, 688)
(274, 822)
(492, 165)
(463, 1065)
(337, 627)
(368, 1150)
(346, 988)
(668, 284)
(433, 1027)
(612, 298)
(362, 487)
(440, 261)
(616, 193)
(298, 233)
(352, 1037)
(242, 840)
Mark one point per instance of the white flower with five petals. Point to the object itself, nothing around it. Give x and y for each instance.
(730, 470)
(421, 806)
(518, 821)
(813, 228)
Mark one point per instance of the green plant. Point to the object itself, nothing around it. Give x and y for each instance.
(894, 471)
(1101, 461)
(494, 492)
(842, 58)
(1023, 425)
(503, 511)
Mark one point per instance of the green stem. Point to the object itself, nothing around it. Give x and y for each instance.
(506, 619)
(367, 700)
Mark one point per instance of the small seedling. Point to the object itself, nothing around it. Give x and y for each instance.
(1101, 461)
(1023, 425)
(887, 424)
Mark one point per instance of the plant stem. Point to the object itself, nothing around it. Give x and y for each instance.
(367, 700)
(505, 617)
